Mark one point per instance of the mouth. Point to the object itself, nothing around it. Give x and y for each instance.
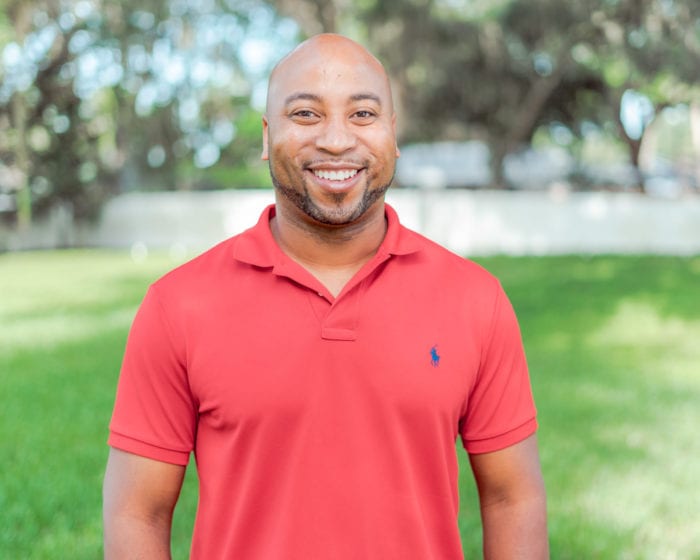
(335, 174)
(336, 179)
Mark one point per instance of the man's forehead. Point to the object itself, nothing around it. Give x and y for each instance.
(329, 65)
(352, 98)
(328, 80)
(334, 68)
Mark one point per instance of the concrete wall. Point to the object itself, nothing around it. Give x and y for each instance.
(516, 223)
(467, 222)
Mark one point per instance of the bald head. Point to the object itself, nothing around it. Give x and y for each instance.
(331, 56)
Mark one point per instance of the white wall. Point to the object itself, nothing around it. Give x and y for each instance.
(467, 222)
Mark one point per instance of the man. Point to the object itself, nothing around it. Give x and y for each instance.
(322, 364)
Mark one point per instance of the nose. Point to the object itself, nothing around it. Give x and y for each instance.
(336, 136)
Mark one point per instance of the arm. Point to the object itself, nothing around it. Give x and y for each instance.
(513, 502)
(139, 497)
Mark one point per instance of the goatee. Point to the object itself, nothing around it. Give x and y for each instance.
(338, 216)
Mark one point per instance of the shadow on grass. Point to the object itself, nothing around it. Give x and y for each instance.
(54, 432)
(65, 318)
(613, 358)
(611, 343)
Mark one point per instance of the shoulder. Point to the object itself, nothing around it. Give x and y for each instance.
(447, 266)
(209, 269)
(456, 286)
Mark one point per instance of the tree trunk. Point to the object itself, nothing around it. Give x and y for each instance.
(531, 108)
(313, 16)
(633, 146)
(22, 21)
(526, 117)
(499, 151)
(695, 138)
(24, 195)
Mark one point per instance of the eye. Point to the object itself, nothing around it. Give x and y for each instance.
(304, 116)
(364, 116)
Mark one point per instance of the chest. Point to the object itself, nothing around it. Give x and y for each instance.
(292, 354)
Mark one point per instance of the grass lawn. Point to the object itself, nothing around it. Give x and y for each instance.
(615, 361)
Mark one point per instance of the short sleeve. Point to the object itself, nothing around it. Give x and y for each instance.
(500, 410)
(154, 413)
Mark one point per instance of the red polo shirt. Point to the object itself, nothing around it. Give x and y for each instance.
(324, 428)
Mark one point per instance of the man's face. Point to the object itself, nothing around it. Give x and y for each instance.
(329, 132)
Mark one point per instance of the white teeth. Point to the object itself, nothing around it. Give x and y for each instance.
(335, 175)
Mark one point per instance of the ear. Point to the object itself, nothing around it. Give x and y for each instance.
(393, 126)
(265, 132)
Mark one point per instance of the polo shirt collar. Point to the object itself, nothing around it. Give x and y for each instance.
(258, 247)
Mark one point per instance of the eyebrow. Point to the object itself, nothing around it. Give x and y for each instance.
(301, 95)
(366, 96)
(313, 97)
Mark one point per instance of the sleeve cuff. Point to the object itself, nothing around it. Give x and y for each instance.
(148, 450)
(502, 441)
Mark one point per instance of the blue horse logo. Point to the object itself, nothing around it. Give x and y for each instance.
(434, 357)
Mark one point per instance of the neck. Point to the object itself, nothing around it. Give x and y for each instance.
(330, 246)
(333, 254)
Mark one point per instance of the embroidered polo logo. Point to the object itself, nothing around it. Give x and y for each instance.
(434, 357)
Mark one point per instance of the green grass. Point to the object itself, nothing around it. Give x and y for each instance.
(613, 349)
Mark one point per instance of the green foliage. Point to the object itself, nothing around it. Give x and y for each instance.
(240, 165)
(104, 97)
(612, 346)
(111, 96)
(500, 71)
(242, 175)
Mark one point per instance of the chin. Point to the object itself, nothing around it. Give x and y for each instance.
(334, 216)
(342, 208)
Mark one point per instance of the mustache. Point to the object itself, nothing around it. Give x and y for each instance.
(334, 161)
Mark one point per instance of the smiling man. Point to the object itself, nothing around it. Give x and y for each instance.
(322, 364)
(329, 133)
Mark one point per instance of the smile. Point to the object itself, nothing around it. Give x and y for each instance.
(337, 175)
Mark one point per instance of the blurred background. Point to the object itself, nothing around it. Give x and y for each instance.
(100, 99)
(556, 142)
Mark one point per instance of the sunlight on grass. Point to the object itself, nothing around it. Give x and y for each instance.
(640, 327)
(38, 281)
(614, 359)
(48, 331)
(50, 298)
(655, 498)
(64, 318)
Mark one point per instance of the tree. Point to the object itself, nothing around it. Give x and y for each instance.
(649, 57)
(101, 96)
(19, 14)
(500, 70)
